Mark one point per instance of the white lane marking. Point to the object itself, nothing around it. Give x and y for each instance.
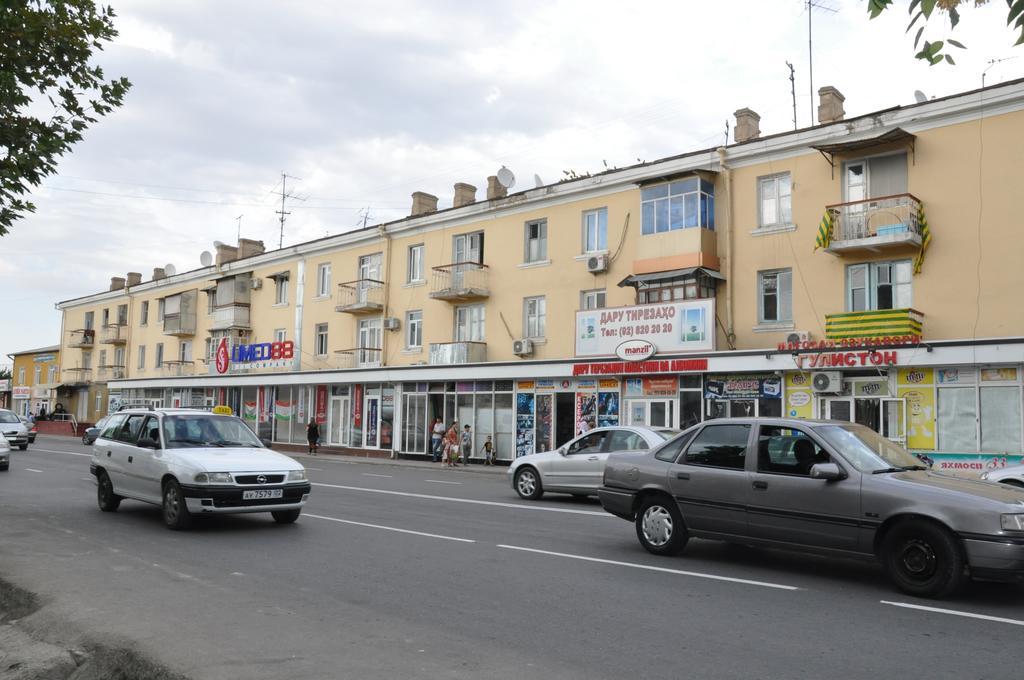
(440, 481)
(372, 474)
(33, 470)
(496, 504)
(954, 612)
(317, 469)
(70, 453)
(401, 531)
(714, 577)
(87, 479)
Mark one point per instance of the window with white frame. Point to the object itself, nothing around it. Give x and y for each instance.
(323, 279)
(99, 402)
(103, 358)
(280, 334)
(979, 410)
(595, 230)
(89, 319)
(879, 285)
(144, 313)
(122, 315)
(369, 341)
(159, 310)
(687, 203)
(36, 375)
(775, 296)
(414, 270)
(414, 329)
(320, 333)
(469, 323)
(21, 375)
(185, 350)
(534, 316)
(86, 359)
(774, 196)
(536, 241)
(158, 360)
(281, 290)
(51, 375)
(592, 299)
(106, 317)
(142, 357)
(211, 300)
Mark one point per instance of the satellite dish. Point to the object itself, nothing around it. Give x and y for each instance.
(217, 244)
(206, 259)
(170, 269)
(920, 97)
(506, 178)
(537, 181)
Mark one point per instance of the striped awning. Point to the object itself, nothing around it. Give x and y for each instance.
(874, 324)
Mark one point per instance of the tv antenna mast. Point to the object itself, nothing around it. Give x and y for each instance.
(282, 212)
(239, 219)
(813, 5)
(991, 63)
(792, 91)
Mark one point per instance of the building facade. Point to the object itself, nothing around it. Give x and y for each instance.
(864, 269)
(35, 380)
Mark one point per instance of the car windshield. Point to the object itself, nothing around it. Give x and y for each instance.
(666, 433)
(204, 430)
(867, 450)
(8, 417)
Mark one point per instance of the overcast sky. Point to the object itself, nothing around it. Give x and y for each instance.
(367, 102)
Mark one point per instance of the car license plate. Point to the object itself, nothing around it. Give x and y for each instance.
(261, 494)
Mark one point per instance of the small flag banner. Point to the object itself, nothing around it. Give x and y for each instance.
(824, 236)
(926, 237)
(282, 410)
(249, 410)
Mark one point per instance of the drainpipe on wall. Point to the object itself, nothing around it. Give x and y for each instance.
(300, 281)
(730, 335)
(387, 294)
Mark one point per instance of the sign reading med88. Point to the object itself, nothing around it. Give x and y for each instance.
(671, 327)
(255, 355)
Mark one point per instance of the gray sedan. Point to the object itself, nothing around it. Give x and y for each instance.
(822, 486)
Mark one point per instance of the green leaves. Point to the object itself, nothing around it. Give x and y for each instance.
(45, 52)
(922, 10)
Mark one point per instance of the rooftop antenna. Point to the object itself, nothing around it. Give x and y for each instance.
(170, 269)
(506, 178)
(812, 5)
(792, 91)
(537, 181)
(205, 259)
(239, 218)
(991, 63)
(282, 212)
(921, 97)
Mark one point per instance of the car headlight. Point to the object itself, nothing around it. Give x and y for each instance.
(296, 475)
(1012, 522)
(213, 478)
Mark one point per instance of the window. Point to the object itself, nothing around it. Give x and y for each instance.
(51, 375)
(414, 269)
(469, 323)
(280, 334)
(592, 299)
(697, 287)
(670, 451)
(185, 350)
(875, 177)
(587, 444)
(144, 313)
(624, 440)
(89, 318)
(684, 204)
(723, 446)
(321, 339)
(414, 329)
(103, 358)
(595, 230)
(775, 201)
(775, 296)
(690, 405)
(469, 247)
(86, 359)
(21, 375)
(211, 300)
(784, 450)
(534, 316)
(369, 341)
(99, 406)
(536, 236)
(979, 415)
(879, 285)
(159, 358)
(142, 357)
(323, 279)
(122, 315)
(36, 374)
(160, 310)
(281, 290)
(106, 317)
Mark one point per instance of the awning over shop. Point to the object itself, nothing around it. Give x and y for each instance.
(830, 151)
(637, 280)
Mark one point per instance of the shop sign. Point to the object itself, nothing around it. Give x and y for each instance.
(956, 376)
(743, 387)
(525, 385)
(799, 399)
(998, 374)
(586, 385)
(321, 405)
(851, 343)
(972, 463)
(651, 366)
(21, 393)
(5, 385)
(261, 355)
(608, 384)
(40, 392)
(357, 404)
(651, 387)
(846, 359)
(871, 388)
(671, 327)
(545, 385)
(42, 358)
(635, 350)
(223, 358)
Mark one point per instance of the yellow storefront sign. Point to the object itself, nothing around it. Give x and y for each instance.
(917, 387)
(799, 401)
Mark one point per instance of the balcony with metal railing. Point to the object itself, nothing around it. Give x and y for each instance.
(876, 224)
(460, 282)
(875, 323)
(178, 369)
(77, 376)
(115, 334)
(110, 372)
(82, 337)
(363, 296)
(359, 357)
(450, 353)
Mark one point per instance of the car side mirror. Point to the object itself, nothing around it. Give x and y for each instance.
(147, 443)
(830, 472)
(266, 442)
(563, 449)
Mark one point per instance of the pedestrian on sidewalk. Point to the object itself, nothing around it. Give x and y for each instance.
(313, 436)
(436, 440)
(467, 445)
(451, 444)
(488, 449)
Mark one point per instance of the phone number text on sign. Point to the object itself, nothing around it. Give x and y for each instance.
(634, 331)
(672, 327)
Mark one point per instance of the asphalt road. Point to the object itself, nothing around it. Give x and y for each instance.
(422, 572)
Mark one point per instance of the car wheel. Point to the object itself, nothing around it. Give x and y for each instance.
(286, 516)
(528, 484)
(23, 447)
(923, 559)
(176, 514)
(1012, 482)
(5, 467)
(105, 496)
(660, 527)
(85, 440)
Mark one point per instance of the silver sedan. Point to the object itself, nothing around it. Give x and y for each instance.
(1013, 475)
(577, 466)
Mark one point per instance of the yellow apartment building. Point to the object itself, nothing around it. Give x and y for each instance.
(865, 269)
(34, 380)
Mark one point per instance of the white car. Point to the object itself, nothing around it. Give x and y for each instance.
(13, 430)
(578, 466)
(193, 462)
(5, 454)
(1013, 475)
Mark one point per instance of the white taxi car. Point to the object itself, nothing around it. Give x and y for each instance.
(192, 462)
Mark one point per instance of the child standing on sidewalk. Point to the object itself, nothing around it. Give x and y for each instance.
(488, 449)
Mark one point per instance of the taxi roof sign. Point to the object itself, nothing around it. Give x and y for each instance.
(223, 410)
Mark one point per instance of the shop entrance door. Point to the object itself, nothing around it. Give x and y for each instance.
(565, 417)
(650, 412)
(338, 423)
(894, 420)
(839, 409)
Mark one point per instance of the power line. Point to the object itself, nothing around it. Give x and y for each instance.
(201, 202)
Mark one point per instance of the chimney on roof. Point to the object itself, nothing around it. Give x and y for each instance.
(465, 194)
(423, 203)
(226, 253)
(116, 283)
(830, 108)
(134, 279)
(158, 273)
(495, 188)
(248, 247)
(748, 126)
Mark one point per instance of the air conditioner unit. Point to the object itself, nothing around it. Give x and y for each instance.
(390, 323)
(829, 382)
(255, 284)
(597, 264)
(522, 348)
(797, 337)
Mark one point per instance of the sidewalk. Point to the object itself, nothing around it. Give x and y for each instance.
(306, 459)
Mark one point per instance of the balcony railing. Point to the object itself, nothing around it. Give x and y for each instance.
(878, 323)
(77, 376)
(359, 357)
(115, 334)
(363, 296)
(178, 368)
(460, 281)
(83, 337)
(876, 223)
(230, 316)
(111, 372)
(180, 325)
(447, 353)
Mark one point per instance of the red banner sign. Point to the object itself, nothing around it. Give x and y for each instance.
(851, 343)
(321, 404)
(357, 405)
(624, 367)
(845, 359)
